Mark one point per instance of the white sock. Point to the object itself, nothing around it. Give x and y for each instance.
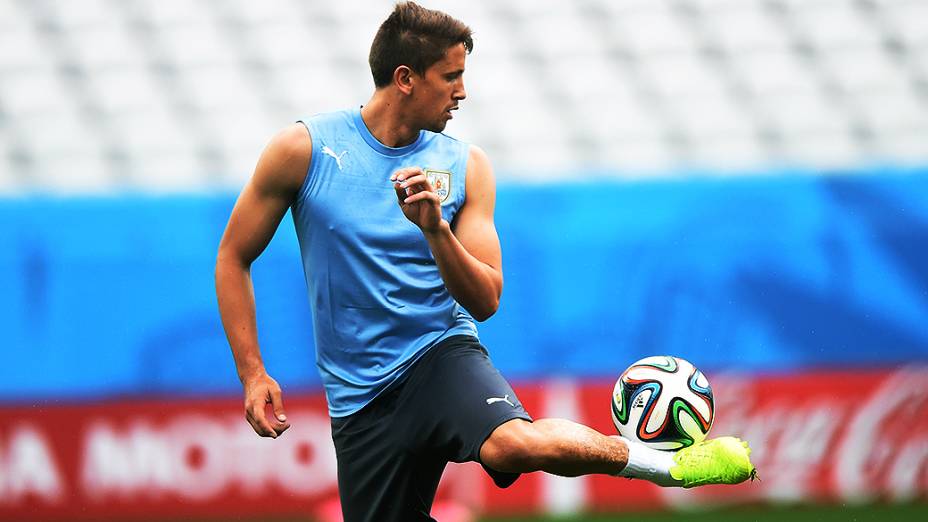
(648, 464)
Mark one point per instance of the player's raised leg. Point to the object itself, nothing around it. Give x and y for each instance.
(566, 448)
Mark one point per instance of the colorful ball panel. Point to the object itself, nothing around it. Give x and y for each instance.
(663, 402)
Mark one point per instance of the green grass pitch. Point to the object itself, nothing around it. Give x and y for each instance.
(909, 512)
(822, 513)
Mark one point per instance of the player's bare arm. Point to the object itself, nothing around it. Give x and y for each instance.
(260, 207)
(468, 257)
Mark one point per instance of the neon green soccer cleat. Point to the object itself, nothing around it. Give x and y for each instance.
(725, 460)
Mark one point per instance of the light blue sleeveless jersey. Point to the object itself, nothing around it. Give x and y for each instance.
(377, 298)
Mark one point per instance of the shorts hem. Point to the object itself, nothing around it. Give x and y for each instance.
(502, 479)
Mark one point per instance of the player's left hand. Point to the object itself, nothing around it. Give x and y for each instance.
(417, 198)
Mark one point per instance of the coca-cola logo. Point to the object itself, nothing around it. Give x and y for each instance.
(825, 436)
(885, 449)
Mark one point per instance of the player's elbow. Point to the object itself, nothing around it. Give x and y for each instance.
(224, 259)
(228, 260)
(220, 270)
(488, 303)
(485, 310)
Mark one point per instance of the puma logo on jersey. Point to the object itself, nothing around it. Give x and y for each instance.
(505, 399)
(338, 157)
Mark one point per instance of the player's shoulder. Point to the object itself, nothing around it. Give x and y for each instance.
(477, 156)
(480, 176)
(283, 165)
(292, 140)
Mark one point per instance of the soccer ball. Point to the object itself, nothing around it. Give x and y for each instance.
(663, 402)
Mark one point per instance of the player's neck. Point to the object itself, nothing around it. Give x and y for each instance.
(386, 120)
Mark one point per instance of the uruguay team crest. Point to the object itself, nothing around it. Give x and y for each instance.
(441, 182)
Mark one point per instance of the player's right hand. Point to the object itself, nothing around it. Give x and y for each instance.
(260, 391)
(417, 198)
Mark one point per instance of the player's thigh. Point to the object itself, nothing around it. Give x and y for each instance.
(378, 479)
(464, 399)
(394, 489)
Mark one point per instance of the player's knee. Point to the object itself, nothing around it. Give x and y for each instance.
(515, 447)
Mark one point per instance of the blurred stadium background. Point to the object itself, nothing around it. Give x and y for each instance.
(743, 183)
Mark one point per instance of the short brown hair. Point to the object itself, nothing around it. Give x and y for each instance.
(416, 37)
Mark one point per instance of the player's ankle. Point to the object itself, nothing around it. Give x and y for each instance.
(648, 464)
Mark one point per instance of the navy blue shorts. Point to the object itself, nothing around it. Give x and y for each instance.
(392, 452)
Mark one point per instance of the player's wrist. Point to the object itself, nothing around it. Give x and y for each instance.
(253, 374)
(434, 232)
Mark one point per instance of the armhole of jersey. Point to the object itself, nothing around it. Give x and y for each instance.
(465, 161)
(312, 160)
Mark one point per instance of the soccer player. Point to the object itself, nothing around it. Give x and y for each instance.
(398, 272)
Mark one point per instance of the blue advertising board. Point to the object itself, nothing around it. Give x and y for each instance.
(114, 296)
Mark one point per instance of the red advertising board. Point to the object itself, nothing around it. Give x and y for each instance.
(827, 436)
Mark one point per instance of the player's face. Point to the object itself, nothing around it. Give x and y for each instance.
(441, 89)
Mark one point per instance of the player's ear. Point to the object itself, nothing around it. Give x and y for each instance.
(403, 79)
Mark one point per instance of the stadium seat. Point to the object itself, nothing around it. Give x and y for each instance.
(637, 85)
